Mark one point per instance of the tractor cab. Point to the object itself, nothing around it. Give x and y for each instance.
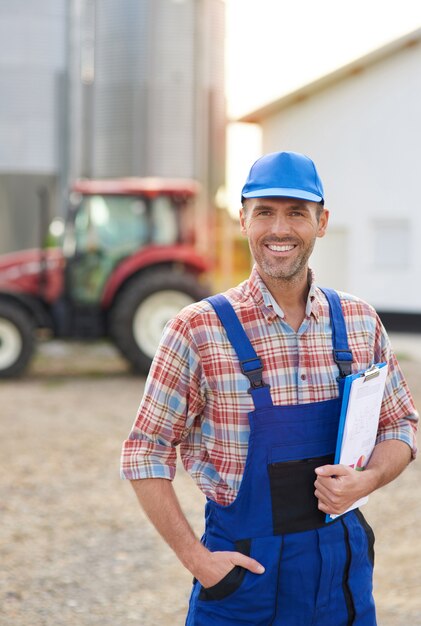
(109, 221)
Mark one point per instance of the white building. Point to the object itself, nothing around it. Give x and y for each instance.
(362, 126)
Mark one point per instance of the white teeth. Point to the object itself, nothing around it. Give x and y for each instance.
(276, 248)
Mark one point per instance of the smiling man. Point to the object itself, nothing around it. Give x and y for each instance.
(249, 385)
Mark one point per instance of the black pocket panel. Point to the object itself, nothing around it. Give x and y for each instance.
(370, 534)
(294, 505)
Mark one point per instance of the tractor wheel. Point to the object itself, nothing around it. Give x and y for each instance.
(16, 339)
(143, 308)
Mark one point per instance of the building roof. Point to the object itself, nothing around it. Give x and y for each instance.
(351, 69)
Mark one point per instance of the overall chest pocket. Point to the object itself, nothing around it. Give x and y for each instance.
(294, 505)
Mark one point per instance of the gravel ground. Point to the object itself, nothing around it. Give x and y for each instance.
(75, 549)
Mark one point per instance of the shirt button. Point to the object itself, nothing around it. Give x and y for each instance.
(303, 377)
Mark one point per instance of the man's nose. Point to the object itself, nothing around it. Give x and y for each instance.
(281, 225)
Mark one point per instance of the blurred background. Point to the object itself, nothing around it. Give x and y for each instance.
(127, 130)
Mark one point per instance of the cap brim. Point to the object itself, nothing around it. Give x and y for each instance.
(275, 192)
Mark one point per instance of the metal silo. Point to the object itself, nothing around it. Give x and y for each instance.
(148, 89)
(32, 114)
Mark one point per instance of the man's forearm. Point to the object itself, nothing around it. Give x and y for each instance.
(160, 503)
(388, 460)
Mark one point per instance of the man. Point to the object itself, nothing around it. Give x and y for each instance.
(249, 384)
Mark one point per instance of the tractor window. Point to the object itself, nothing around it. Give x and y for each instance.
(107, 229)
(164, 221)
(117, 225)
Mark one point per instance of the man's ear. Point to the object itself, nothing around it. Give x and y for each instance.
(323, 222)
(243, 222)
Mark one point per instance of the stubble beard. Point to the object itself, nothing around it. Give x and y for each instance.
(281, 272)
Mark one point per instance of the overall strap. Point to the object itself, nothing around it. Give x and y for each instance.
(341, 352)
(250, 364)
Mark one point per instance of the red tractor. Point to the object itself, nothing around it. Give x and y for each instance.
(127, 263)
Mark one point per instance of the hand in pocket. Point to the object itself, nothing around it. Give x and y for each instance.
(218, 565)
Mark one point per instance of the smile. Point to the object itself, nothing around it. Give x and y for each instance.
(280, 248)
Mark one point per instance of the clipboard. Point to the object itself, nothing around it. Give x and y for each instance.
(358, 421)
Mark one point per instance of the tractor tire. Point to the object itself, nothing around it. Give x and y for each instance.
(16, 339)
(143, 308)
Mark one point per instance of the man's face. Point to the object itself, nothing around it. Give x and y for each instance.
(282, 233)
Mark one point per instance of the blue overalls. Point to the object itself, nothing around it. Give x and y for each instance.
(316, 573)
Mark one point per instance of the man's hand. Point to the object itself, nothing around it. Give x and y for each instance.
(338, 487)
(214, 566)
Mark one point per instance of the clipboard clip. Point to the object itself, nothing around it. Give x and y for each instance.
(372, 372)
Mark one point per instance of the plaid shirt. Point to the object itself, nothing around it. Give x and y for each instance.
(196, 396)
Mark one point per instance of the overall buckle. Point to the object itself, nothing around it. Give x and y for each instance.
(253, 373)
(343, 359)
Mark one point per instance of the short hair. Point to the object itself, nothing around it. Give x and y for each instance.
(319, 210)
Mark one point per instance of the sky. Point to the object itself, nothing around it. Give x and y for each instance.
(276, 46)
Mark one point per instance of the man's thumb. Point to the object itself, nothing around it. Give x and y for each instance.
(250, 564)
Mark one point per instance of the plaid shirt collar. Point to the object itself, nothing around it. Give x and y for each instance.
(271, 310)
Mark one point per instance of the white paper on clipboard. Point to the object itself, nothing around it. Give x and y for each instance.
(363, 395)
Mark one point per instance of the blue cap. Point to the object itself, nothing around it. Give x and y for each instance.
(284, 174)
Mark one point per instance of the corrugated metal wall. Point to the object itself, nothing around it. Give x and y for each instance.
(32, 66)
(106, 88)
(119, 85)
(172, 83)
(154, 104)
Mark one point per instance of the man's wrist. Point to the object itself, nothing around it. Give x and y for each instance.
(193, 556)
(370, 479)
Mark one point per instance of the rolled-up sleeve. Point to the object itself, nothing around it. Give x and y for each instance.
(172, 400)
(398, 416)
